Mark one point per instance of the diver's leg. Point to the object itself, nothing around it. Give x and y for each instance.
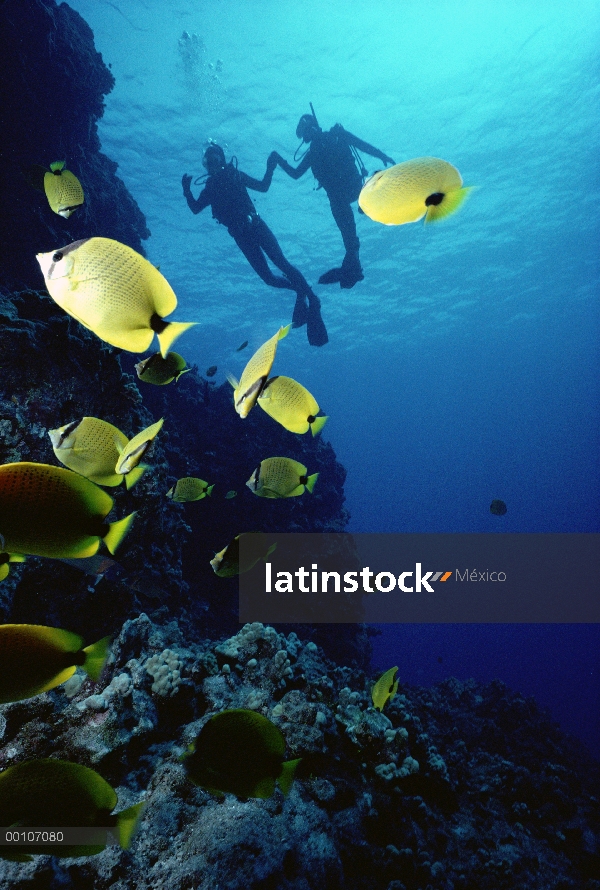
(249, 244)
(350, 271)
(270, 245)
(310, 314)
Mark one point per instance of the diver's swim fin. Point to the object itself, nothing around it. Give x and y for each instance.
(351, 271)
(300, 314)
(315, 327)
(350, 278)
(331, 277)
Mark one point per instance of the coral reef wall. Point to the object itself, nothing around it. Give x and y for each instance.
(54, 83)
(54, 371)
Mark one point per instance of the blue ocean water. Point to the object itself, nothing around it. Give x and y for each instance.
(465, 366)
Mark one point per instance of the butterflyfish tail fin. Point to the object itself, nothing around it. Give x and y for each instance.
(264, 788)
(127, 822)
(95, 658)
(283, 332)
(57, 165)
(318, 424)
(449, 204)
(209, 490)
(310, 482)
(173, 330)
(135, 475)
(233, 380)
(117, 531)
(288, 772)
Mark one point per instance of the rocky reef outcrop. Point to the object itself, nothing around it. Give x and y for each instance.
(54, 84)
(459, 787)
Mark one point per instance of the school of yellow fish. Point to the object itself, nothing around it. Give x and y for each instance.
(62, 513)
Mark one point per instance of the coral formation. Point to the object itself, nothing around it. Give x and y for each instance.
(460, 786)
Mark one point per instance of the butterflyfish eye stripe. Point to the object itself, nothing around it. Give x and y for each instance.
(68, 430)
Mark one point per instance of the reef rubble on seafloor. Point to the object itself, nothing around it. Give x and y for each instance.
(459, 787)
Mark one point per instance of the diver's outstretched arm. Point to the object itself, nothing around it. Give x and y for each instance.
(260, 185)
(368, 149)
(195, 204)
(294, 172)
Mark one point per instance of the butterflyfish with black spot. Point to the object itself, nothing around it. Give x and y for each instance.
(228, 561)
(35, 658)
(291, 405)
(49, 511)
(240, 752)
(424, 187)
(189, 488)
(385, 688)
(94, 447)
(114, 292)
(281, 477)
(63, 189)
(159, 370)
(57, 794)
(255, 374)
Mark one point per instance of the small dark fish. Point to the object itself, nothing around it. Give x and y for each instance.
(210, 372)
(243, 346)
(231, 494)
(498, 508)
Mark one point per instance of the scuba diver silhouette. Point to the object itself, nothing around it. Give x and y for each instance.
(333, 158)
(225, 192)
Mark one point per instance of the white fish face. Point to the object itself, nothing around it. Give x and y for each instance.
(218, 559)
(130, 460)
(55, 265)
(253, 482)
(59, 263)
(246, 401)
(64, 437)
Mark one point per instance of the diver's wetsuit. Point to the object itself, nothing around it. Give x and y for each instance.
(232, 207)
(333, 166)
(225, 192)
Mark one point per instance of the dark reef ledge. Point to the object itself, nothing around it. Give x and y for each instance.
(53, 87)
(460, 787)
